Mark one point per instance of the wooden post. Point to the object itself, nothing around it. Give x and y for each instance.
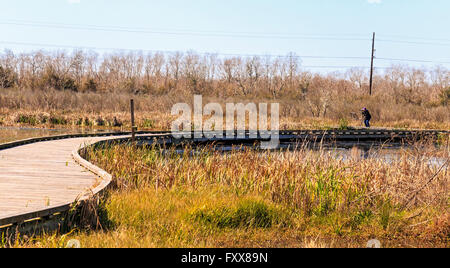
(371, 64)
(133, 128)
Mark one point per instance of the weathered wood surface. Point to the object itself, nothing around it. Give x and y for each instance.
(41, 175)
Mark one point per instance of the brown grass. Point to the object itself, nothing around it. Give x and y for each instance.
(287, 199)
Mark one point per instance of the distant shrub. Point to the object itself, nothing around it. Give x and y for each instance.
(100, 122)
(90, 85)
(117, 122)
(55, 120)
(60, 82)
(445, 97)
(7, 78)
(69, 84)
(27, 119)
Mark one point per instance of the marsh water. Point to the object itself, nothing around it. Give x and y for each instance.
(339, 151)
(9, 134)
(388, 153)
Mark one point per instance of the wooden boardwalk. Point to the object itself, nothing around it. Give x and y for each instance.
(42, 175)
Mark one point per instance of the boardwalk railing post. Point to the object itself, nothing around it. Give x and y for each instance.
(133, 127)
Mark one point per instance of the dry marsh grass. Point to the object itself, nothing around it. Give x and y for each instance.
(64, 109)
(253, 199)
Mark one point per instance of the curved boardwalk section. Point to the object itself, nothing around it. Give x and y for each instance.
(40, 176)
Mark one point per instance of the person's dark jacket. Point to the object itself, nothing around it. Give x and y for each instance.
(367, 115)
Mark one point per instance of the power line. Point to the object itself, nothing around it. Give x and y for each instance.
(232, 54)
(138, 29)
(335, 67)
(419, 61)
(413, 42)
(185, 33)
(295, 56)
(162, 51)
(224, 54)
(414, 38)
(221, 54)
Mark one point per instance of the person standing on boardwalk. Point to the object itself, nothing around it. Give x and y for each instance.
(367, 116)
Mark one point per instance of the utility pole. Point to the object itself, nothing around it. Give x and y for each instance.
(371, 64)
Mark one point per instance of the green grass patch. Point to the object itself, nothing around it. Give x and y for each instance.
(27, 119)
(148, 123)
(249, 213)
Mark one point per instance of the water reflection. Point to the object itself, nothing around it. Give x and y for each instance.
(388, 153)
(9, 134)
(342, 151)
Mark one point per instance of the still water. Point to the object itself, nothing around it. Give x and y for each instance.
(9, 134)
(343, 152)
(387, 153)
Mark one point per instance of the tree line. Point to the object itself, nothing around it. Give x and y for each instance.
(210, 74)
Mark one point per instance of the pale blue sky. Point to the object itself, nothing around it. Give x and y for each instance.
(307, 27)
